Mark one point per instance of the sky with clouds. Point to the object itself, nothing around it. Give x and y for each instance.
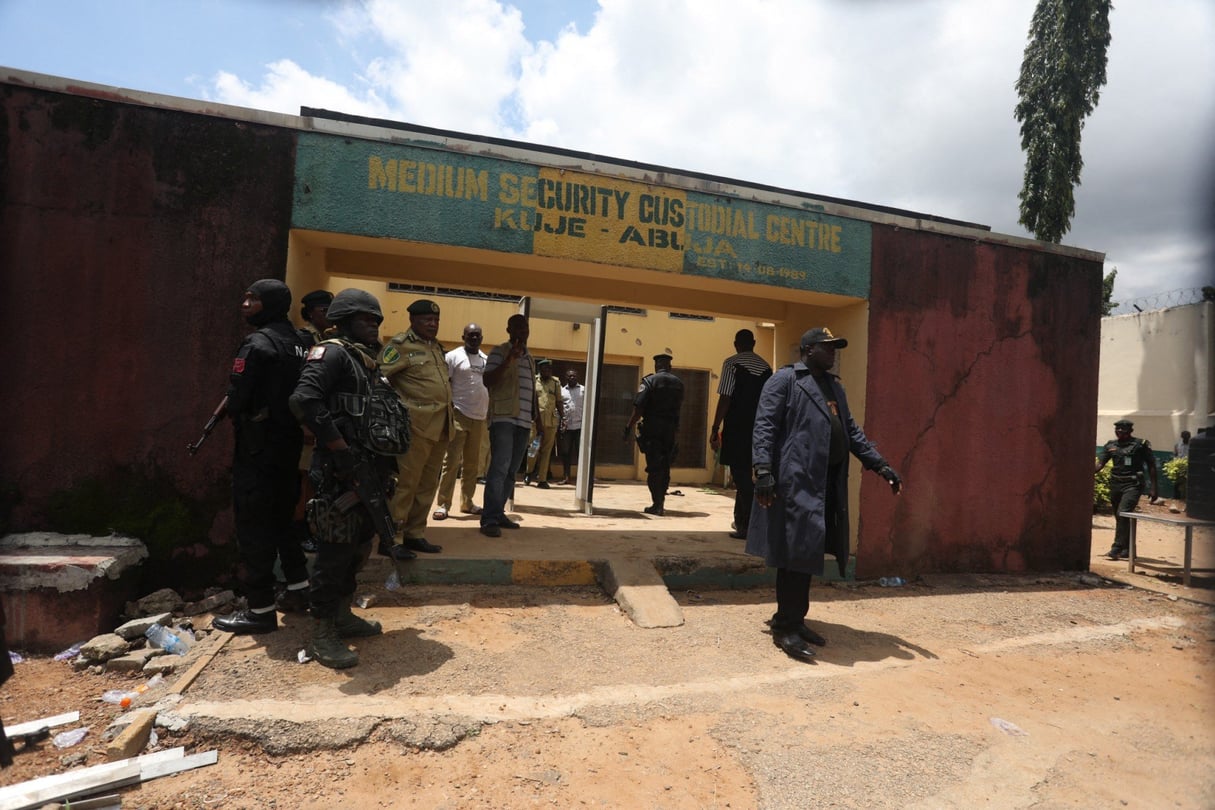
(904, 103)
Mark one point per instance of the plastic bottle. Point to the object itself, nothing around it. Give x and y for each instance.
(533, 448)
(166, 640)
(393, 583)
(117, 696)
(70, 652)
(892, 582)
(154, 681)
(66, 739)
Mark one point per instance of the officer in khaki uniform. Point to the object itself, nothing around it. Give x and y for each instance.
(413, 361)
(548, 405)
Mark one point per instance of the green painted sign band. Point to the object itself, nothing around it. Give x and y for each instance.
(452, 198)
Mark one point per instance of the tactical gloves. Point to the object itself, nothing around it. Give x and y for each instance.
(887, 472)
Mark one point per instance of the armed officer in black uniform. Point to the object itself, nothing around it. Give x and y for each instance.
(265, 475)
(1130, 456)
(361, 427)
(657, 406)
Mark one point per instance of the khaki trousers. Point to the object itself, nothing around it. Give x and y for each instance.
(466, 442)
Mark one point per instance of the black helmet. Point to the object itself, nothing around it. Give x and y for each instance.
(349, 303)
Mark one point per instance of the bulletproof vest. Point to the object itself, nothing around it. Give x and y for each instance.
(282, 381)
(376, 414)
(1126, 467)
(664, 397)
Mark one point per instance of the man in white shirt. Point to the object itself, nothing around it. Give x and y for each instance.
(573, 396)
(466, 366)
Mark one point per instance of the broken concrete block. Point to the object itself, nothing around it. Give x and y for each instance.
(166, 600)
(57, 589)
(135, 628)
(209, 604)
(104, 647)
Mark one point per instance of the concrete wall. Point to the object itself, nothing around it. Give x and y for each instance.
(982, 375)
(1158, 370)
(128, 233)
(127, 236)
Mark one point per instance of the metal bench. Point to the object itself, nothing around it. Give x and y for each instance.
(1188, 523)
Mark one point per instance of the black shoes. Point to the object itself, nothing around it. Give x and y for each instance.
(794, 646)
(543, 485)
(804, 632)
(397, 552)
(491, 530)
(653, 510)
(507, 523)
(422, 544)
(292, 601)
(246, 622)
(809, 635)
(527, 479)
(1118, 553)
(737, 535)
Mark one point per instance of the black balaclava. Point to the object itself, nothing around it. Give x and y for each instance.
(275, 298)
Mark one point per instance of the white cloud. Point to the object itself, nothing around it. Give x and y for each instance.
(892, 103)
(286, 87)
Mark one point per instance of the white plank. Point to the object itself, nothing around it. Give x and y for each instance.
(83, 781)
(46, 722)
(159, 769)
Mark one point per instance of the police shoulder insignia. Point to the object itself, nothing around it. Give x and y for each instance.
(238, 365)
(391, 355)
(316, 352)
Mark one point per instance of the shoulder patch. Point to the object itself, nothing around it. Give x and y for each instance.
(390, 355)
(238, 365)
(316, 352)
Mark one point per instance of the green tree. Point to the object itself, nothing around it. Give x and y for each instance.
(1107, 292)
(1062, 73)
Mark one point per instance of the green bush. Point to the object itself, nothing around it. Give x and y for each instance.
(1101, 487)
(1177, 470)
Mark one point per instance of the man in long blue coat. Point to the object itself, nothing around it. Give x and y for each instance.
(803, 436)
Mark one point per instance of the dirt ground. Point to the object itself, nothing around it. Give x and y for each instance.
(1006, 692)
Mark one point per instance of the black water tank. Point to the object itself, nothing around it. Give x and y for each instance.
(1200, 483)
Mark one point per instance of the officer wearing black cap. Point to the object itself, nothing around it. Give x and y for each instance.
(1130, 456)
(313, 309)
(803, 438)
(657, 406)
(265, 462)
(416, 365)
(360, 428)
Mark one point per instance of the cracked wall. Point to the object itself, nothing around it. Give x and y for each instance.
(118, 221)
(983, 362)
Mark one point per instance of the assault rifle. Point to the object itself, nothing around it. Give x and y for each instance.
(367, 488)
(221, 411)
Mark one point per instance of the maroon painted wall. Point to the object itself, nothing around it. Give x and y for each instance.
(127, 236)
(982, 392)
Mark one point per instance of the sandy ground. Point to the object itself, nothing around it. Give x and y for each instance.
(953, 692)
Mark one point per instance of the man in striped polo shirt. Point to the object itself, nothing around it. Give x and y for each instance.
(743, 375)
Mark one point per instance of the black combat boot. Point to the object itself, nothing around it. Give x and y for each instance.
(352, 626)
(327, 648)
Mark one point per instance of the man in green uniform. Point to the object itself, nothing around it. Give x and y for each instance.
(414, 362)
(1130, 456)
(548, 404)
